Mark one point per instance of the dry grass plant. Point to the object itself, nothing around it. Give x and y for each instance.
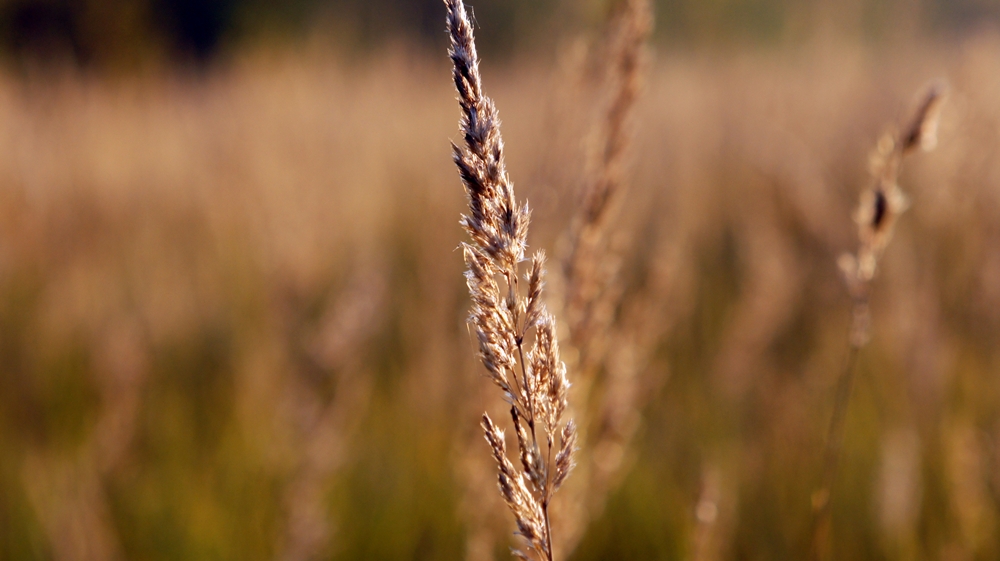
(504, 323)
(591, 268)
(880, 207)
(609, 346)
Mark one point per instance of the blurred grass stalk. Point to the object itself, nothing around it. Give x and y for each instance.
(880, 207)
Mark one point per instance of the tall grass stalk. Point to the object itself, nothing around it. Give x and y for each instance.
(613, 345)
(533, 381)
(880, 207)
(590, 276)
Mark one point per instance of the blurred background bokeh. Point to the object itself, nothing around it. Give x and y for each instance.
(232, 311)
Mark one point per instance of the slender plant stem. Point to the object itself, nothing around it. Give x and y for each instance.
(534, 441)
(880, 207)
(820, 527)
(548, 529)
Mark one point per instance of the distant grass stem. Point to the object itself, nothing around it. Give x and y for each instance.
(880, 206)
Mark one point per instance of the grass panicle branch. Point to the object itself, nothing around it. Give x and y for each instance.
(881, 205)
(534, 381)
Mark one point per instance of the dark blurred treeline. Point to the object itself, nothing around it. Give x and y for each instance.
(126, 33)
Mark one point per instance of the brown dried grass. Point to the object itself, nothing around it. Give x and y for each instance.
(504, 323)
(193, 205)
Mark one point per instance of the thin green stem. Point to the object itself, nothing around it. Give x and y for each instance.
(820, 527)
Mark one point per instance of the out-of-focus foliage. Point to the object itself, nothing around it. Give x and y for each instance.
(131, 33)
(172, 252)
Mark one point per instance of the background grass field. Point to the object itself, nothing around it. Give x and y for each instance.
(220, 286)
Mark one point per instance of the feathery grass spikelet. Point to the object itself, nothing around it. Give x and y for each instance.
(884, 201)
(534, 382)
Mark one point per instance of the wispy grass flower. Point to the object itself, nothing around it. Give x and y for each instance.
(532, 377)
